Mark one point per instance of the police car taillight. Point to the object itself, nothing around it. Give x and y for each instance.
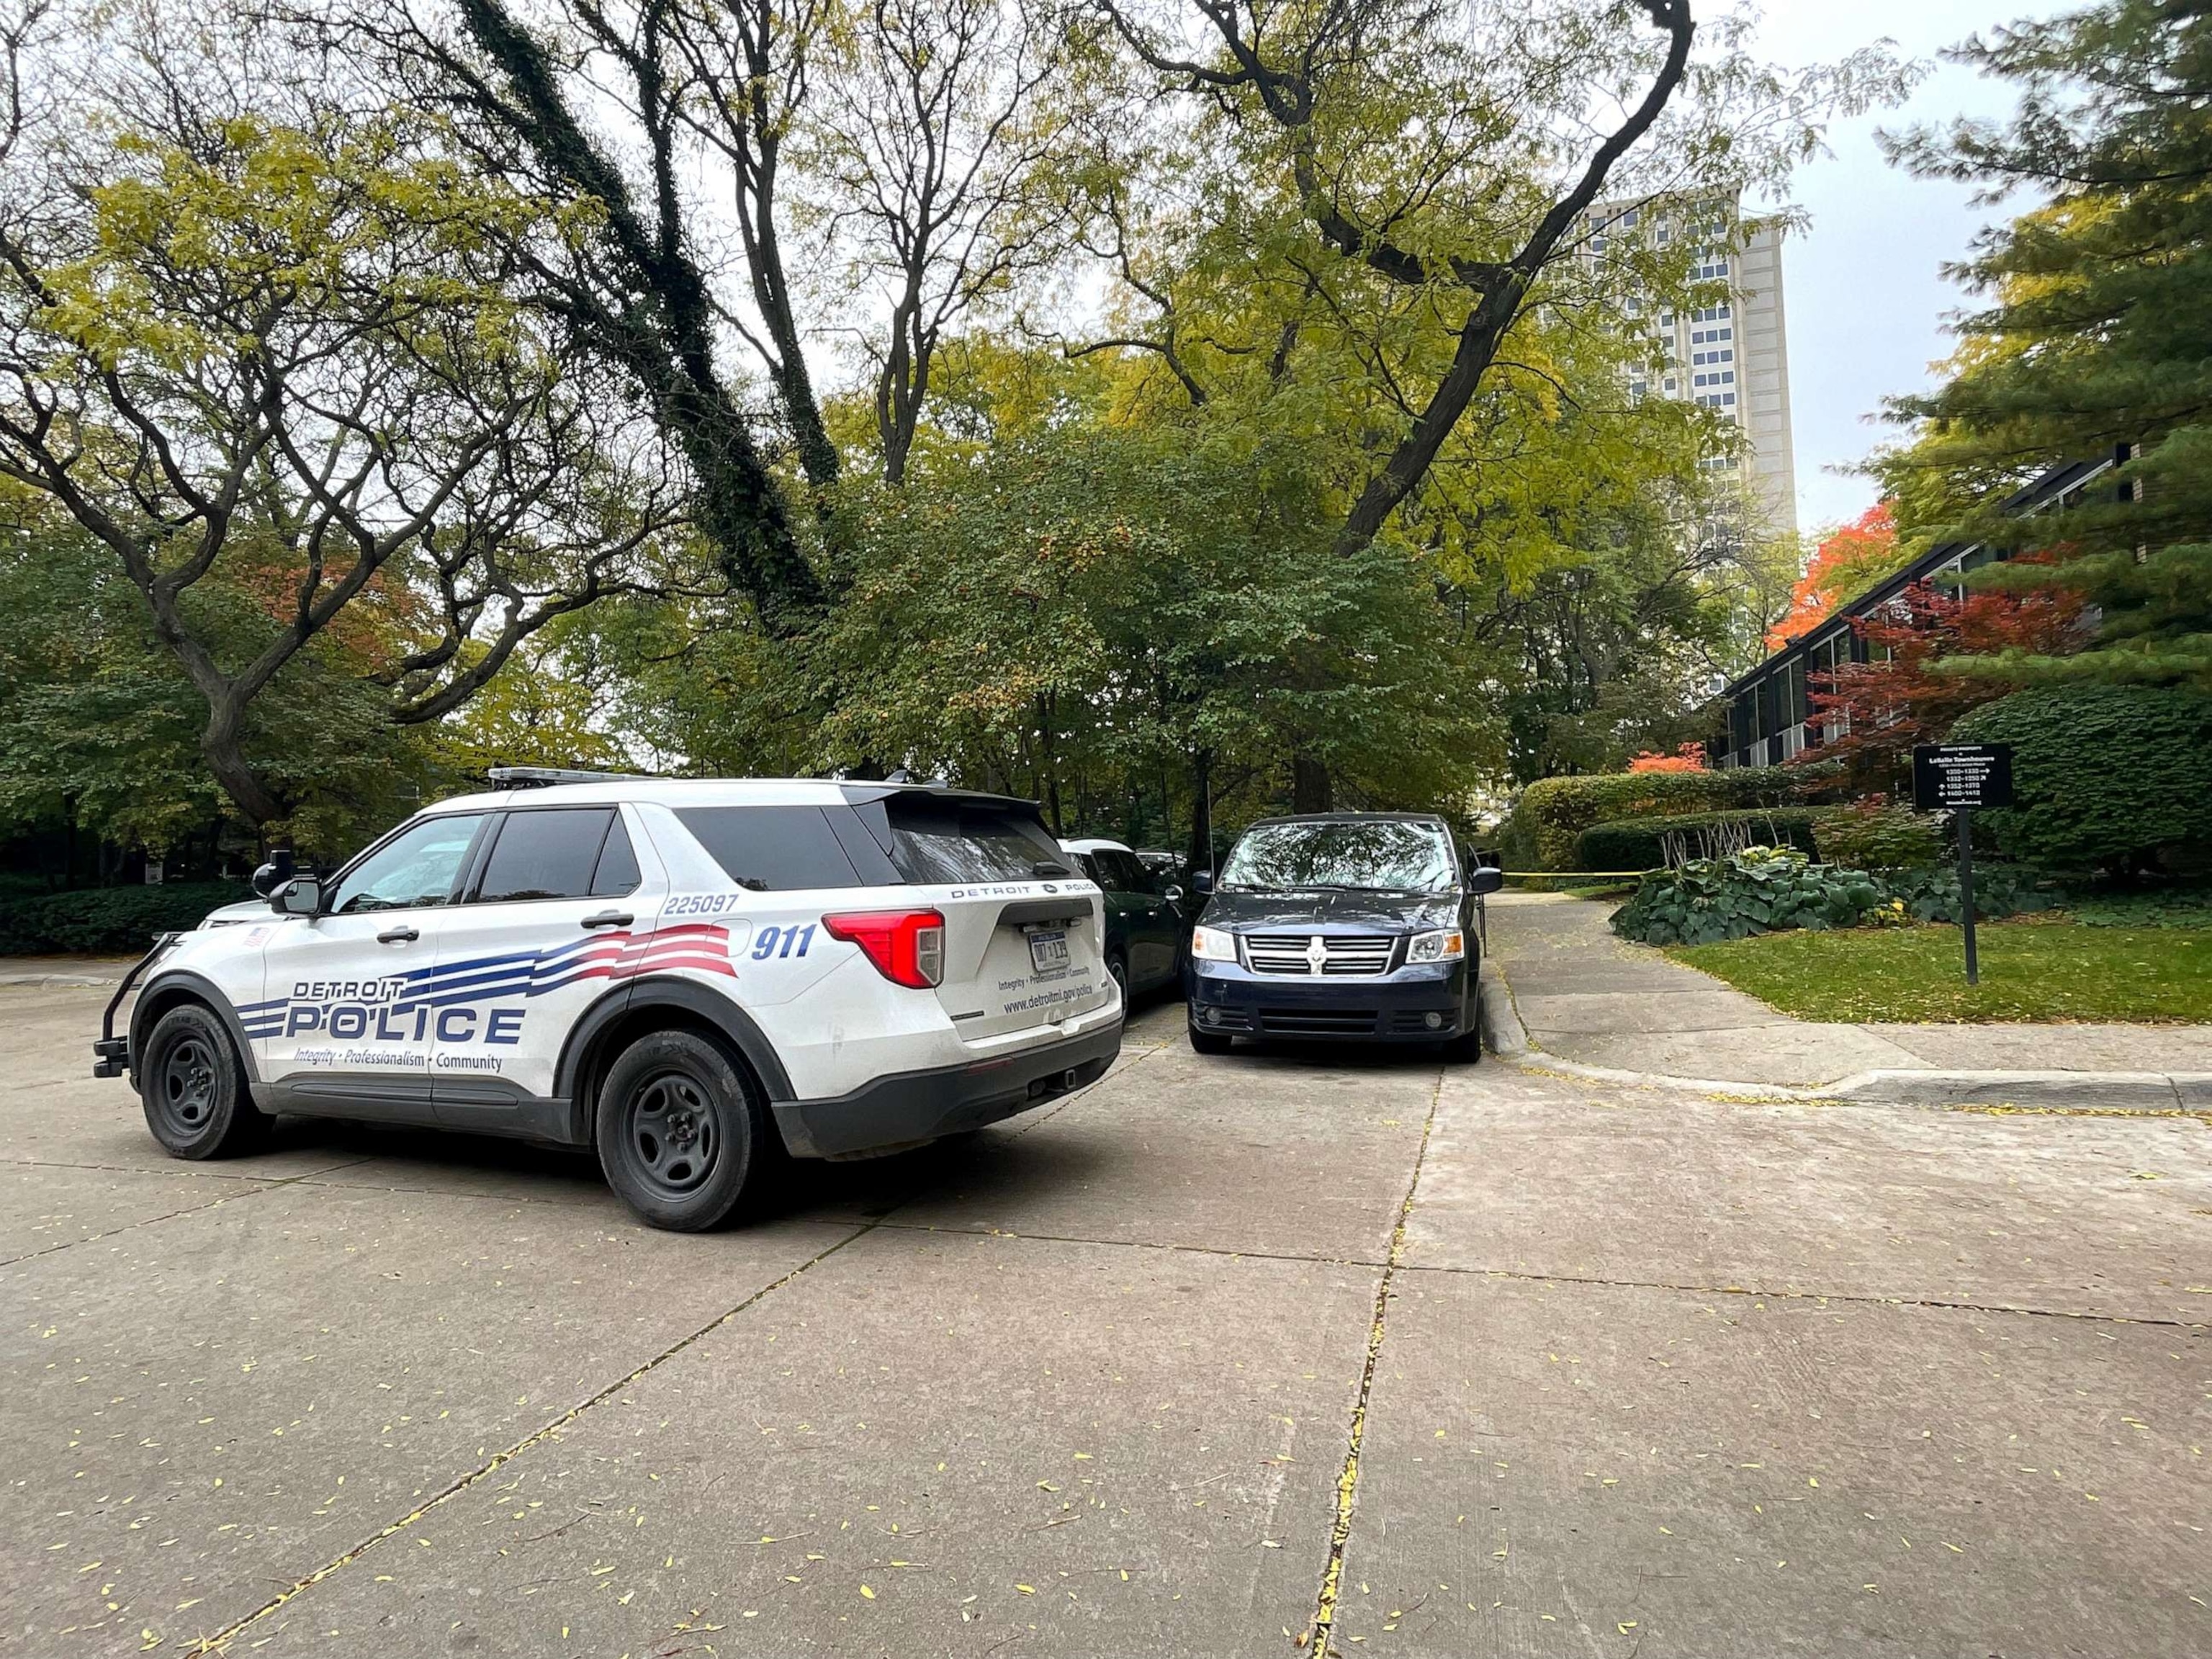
(907, 946)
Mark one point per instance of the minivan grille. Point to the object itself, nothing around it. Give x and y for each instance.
(1362, 955)
(1317, 1022)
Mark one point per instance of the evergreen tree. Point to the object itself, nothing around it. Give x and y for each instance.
(2097, 341)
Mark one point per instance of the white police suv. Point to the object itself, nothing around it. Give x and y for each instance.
(671, 970)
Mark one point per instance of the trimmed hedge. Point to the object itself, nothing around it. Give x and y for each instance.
(112, 921)
(2104, 776)
(1553, 813)
(1639, 843)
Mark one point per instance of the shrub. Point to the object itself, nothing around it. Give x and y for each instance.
(1553, 813)
(2104, 776)
(2179, 907)
(1688, 757)
(1876, 834)
(1764, 890)
(1932, 894)
(110, 919)
(1641, 843)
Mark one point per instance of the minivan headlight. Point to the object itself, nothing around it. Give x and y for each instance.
(1445, 944)
(1212, 945)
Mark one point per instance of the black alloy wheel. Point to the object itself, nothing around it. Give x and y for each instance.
(193, 1087)
(681, 1130)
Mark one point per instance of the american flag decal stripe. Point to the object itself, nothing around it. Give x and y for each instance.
(696, 946)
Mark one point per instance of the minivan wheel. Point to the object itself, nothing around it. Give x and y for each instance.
(1467, 1046)
(1210, 1042)
(681, 1131)
(193, 1085)
(1118, 971)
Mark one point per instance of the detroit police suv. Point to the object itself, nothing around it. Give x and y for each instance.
(669, 971)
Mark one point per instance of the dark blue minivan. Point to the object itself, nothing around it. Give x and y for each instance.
(1339, 926)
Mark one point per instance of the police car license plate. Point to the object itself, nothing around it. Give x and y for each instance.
(1048, 952)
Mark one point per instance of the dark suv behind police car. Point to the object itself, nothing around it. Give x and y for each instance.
(1339, 926)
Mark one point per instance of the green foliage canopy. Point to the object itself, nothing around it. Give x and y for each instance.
(2097, 338)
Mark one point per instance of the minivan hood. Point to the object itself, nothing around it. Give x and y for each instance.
(1291, 911)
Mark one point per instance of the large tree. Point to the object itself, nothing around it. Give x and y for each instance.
(277, 359)
(2095, 340)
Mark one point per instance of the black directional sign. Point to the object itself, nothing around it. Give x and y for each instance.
(1961, 774)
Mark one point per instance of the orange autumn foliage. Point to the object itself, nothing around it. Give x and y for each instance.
(1690, 758)
(1849, 559)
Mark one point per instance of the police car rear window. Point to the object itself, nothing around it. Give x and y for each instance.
(932, 841)
(544, 855)
(775, 849)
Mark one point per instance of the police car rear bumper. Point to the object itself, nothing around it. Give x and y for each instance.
(909, 1108)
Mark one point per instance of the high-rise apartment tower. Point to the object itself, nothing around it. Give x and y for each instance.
(1732, 355)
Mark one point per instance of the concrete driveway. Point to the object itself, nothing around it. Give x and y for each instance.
(1212, 1357)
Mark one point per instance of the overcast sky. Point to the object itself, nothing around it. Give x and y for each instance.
(1863, 288)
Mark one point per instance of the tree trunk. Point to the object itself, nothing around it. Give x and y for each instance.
(1201, 810)
(220, 743)
(1310, 784)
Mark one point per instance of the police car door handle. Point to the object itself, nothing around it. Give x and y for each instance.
(610, 919)
(401, 935)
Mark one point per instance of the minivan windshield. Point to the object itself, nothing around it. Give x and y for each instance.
(1372, 856)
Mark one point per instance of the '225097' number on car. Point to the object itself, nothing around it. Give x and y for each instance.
(700, 904)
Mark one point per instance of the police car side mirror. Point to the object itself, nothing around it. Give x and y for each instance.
(1201, 882)
(274, 874)
(1484, 879)
(302, 896)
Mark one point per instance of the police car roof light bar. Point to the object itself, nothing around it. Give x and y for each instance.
(545, 777)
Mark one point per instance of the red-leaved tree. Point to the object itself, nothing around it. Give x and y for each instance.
(1689, 757)
(1849, 559)
(1886, 706)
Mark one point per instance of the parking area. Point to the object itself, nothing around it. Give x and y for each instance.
(1218, 1357)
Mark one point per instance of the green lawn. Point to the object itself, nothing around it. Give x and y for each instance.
(2031, 970)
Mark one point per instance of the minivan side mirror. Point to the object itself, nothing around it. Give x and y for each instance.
(1201, 882)
(1484, 879)
(302, 896)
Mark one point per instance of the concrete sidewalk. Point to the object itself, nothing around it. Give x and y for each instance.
(63, 971)
(1594, 999)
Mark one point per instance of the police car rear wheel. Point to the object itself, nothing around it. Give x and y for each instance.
(680, 1131)
(194, 1089)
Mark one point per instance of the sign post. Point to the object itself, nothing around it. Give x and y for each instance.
(1961, 776)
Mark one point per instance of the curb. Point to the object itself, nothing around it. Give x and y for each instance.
(1503, 1033)
(2118, 1091)
(2108, 1091)
(53, 979)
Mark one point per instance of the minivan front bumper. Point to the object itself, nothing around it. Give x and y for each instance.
(1421, 1002)
(908, 1108)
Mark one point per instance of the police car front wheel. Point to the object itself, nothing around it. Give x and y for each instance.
(193, 1087)
(681, 1132)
